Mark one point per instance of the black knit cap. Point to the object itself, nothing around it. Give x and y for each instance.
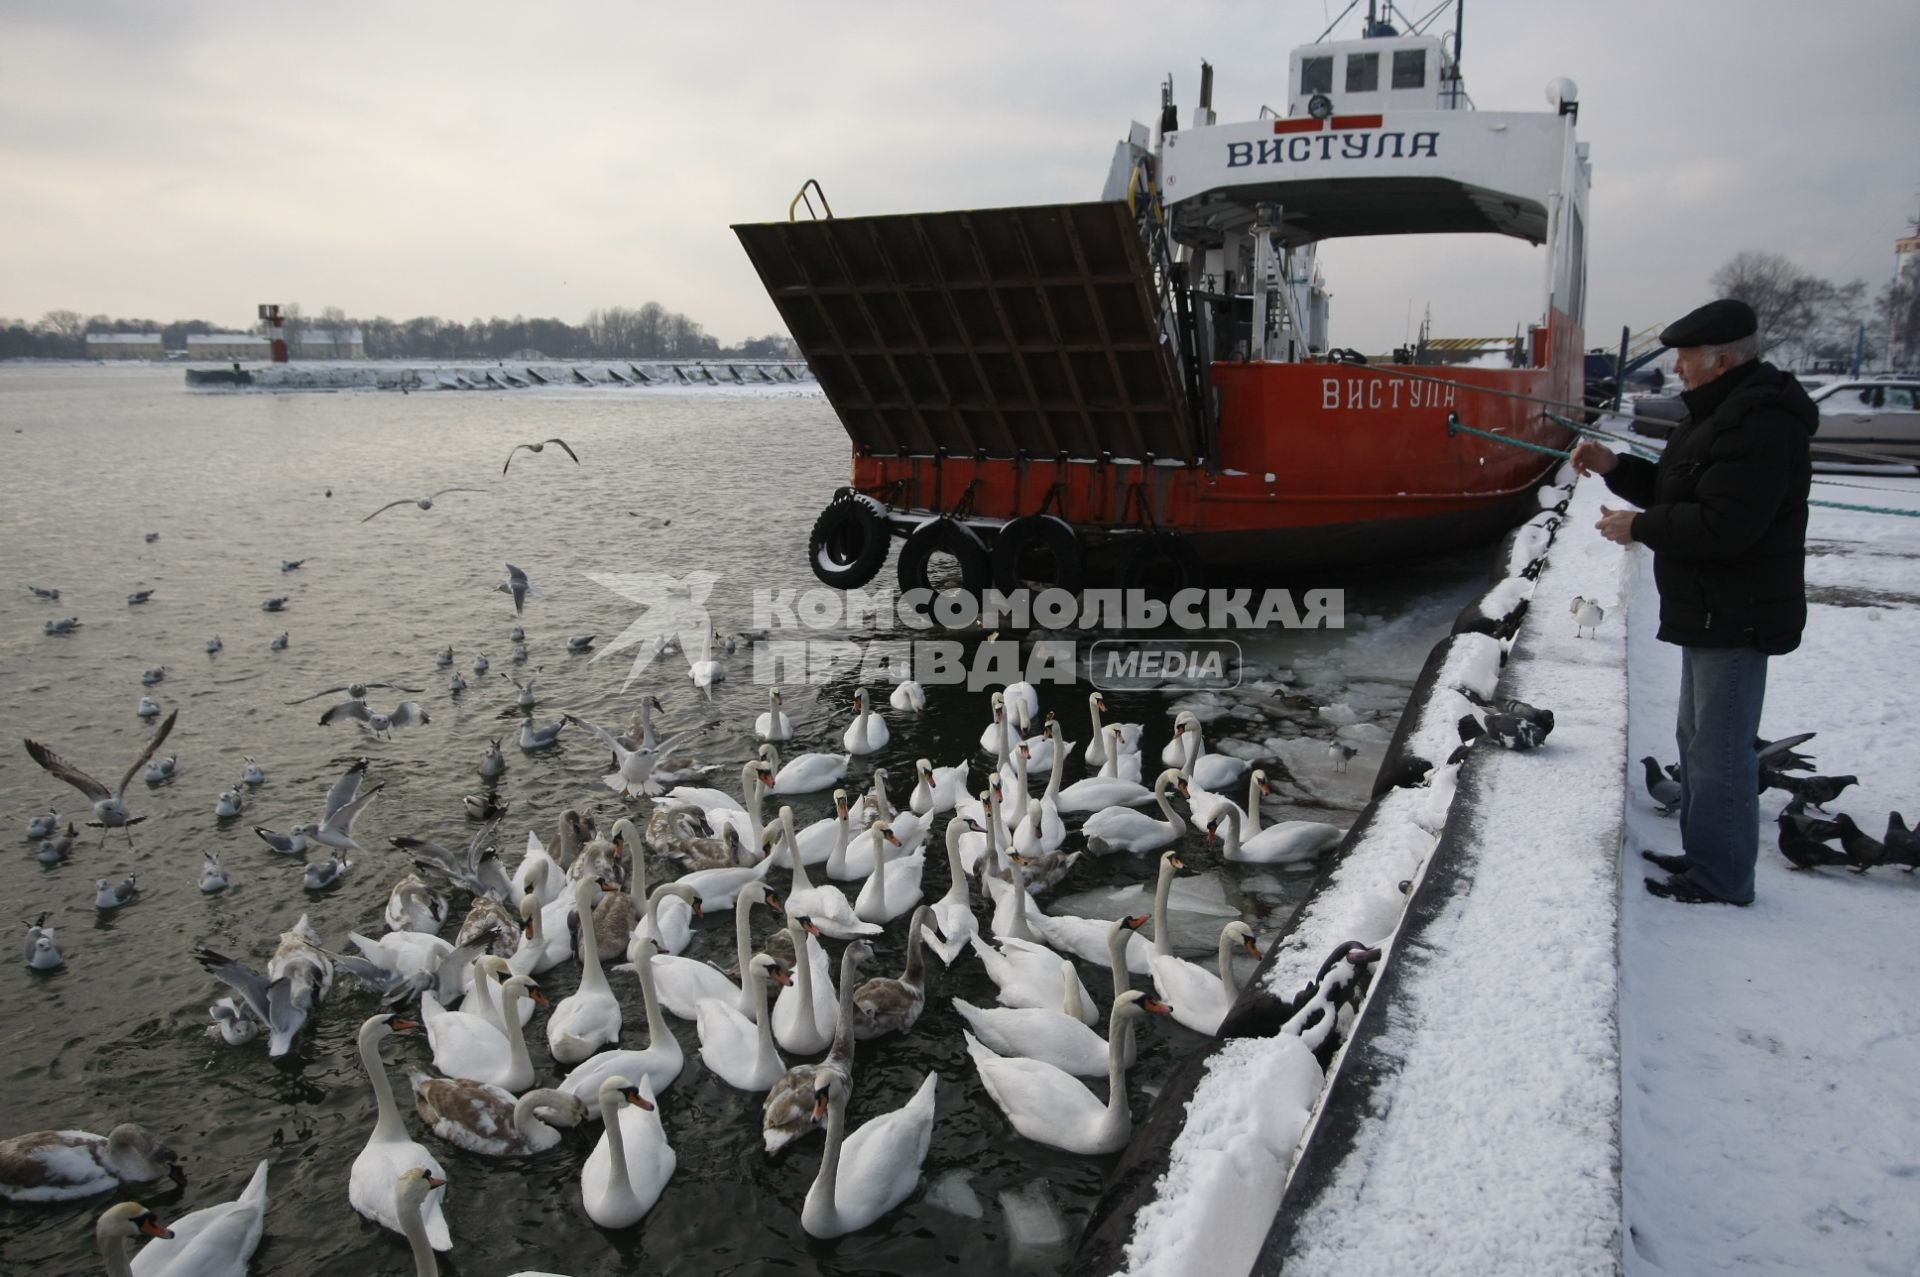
(1714, 324)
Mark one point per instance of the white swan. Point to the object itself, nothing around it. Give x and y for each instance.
(215, 1241)
(671, 909)
(821, 841)
(538, 872)
(863, 1177)
(804, 773)
(589, 1017)
(1096, 793)
(893, 888)
(1057, 1036)
(1087, 939)
(1201, 998)
(908, 696)
(632, 1162)
(1170, 863)
(658, 1065)
(827, 906)
(1100, 745)
(953, 912)
(488, 1120)
(62, 1166)
(1212, 771)
(738, 1050)
(543, 945)
(1206, 805)
(1015, 912)
(122, 1223)
(1124, 829)
(1054, 1108)
(390, 1150)
(774, 724)
(1288, 843)
(681, 983)
(467, 1046)
(1023, 704)
(868, 732)
(1028, 975)
(803, 1015)
(789, 1112)
(936, 789)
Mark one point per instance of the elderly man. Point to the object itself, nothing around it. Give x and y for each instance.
(1725, 514)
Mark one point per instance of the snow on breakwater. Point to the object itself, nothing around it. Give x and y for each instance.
(599, 374)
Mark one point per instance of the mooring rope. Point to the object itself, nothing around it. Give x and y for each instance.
(1456, 427)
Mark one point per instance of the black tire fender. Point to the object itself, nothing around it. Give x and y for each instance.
(1162, 563)
(944, 536)
(848, 544)
(1042, 531)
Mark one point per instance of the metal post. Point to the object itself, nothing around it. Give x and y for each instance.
(1620, 369)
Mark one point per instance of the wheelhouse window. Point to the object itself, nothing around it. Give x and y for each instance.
(1410, 68)
(1316, 75)
(1363, 72)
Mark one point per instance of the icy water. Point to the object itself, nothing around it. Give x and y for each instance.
(96, 458)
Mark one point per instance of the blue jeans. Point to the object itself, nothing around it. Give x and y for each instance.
(1721, 692)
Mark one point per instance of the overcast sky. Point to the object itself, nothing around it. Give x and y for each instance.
(191, 160)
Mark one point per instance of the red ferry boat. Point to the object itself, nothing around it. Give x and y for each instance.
(1140, 391)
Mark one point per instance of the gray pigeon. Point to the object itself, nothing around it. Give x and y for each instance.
(1665, 790)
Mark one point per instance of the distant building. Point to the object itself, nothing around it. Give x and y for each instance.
(227, 346)
(124, 346)
(329, 343)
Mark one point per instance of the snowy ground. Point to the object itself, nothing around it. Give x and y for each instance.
(1771, 1055)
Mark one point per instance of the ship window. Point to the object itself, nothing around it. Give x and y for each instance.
(1363, 72)
(1410, 69)
(1316, 75)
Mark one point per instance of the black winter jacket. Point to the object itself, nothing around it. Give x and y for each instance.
(1725, 513)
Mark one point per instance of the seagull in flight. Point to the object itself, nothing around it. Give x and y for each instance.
(425, 503)
(539, 447)
(109, 805)
(517, 585)
(405, 714)
(345, 802)
(358, 691)
(632, 768)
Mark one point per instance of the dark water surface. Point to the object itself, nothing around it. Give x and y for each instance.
(97, 457)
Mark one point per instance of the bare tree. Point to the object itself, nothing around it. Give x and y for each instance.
(1786, 299)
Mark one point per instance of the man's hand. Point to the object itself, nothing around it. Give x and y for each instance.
(1616, 525)
(1593, 457)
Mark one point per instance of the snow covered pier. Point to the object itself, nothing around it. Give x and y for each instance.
(1553, 1071)
(407, 377)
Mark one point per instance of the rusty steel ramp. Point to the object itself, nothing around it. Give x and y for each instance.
(1005, 333)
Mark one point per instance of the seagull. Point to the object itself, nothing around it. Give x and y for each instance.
(519, 653)
(154, 675)
(579, 642)
(539, 447)
(525, 699)
(292, 844)
(519, 635)
(229, 804)
(517, 585)
(112, 895)
(532, 737)
(138, 597)
(457, 682)
(152, 537)
(278, 603)
(161, 769)
(481, 664)
(55, 848)
(279, 644)
(425, 503)
(298, 978)
(231, 1024)
(1587, 615)
(67, 626)
(1664, 790)
(43, 826)
(214, 645)
(345, 802)
(479, 871)
(149, 708)
(289, 565)
(213, 877)
(42, 953)
(51, 596)
(253, 775)
(493, 764)
(321, 874)
(405, 714)
(109, 806)
(1339, 754)
(443, 658)
(632, 768)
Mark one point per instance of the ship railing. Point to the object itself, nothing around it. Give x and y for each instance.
(1178, 321)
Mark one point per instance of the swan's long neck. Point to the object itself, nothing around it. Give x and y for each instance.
(1166, 807)
(956, 868)
(860, 722)
(1100, 750)
(842, 1049)
(1253, 807)
(823, 1183)
(1117, 960)
(413, 1223)
(915, 976)
(879, 870)
(1111, 767)
(527, 1122)
(881, 802)
(762, 1021)
(993, 834)
(749, 772)
(1233, 834)
(1117, 1029)
(742, 934)
(794, 861)
(517, 1057)
(1018, 929)
(1196, 745)
(113, 1252)
(1226, 966)
(387, 1127)
(803, 980)
(1053, 779)
(591, 976)
(619, 1184)
(656, 1026)
(647, 740)
(1162, 942)
(756, 811)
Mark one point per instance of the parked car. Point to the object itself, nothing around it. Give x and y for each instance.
(1879, 415)
(1655, 416)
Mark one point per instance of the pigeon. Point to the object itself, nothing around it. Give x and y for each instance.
(293, 844)
(1779, 755)
(278, 603)
(1817, 791)
(57, 846)
(1587, 615)
(322, 874)
(517, 585)
(539, 447)
(1664, 789)
(1864, 851)
(67, 626)
(1503, 730)
(358, 691)
(1802, 850)
(213, 877)
(229, 804)
(138, 597)
(425, 503)
(253, 775)
(580, 642)
(405, 714)
(42, 953)
(289, 565)
(109, 806)
(279, 644)
(51, 596)
(1340, 754)
(298, 978)
(1903, 844)
(112, 895)
(214, 645)
(1541, 718)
